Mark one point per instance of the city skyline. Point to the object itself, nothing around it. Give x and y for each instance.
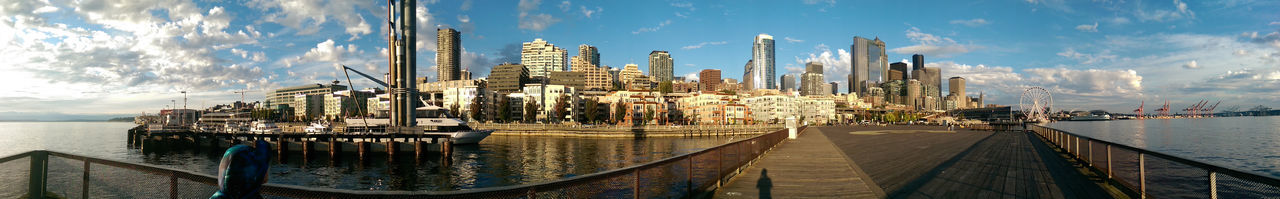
(85, 58)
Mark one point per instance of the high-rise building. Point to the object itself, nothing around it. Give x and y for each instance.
(914, 99)
(957, 86)
(508, 78)
(589, 54)
(629, 74)
(835, 88)
(868, 65)
(465, 75)
(762, 56)
(281, 98)
(448, 54)
(788, 82)
(748, 75)
(660, 64)
(812, 82)
(917, 62)
(709, 79)
(902, 71)
(596, 78)
(541, 58)
(572, 79)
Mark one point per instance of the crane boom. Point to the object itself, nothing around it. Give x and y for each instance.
(375, 80)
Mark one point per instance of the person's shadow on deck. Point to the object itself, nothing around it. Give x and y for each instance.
(765, 184)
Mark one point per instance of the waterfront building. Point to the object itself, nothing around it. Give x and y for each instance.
(435, 90)
(547, 99)
(709, 80)
(594, 78)
(448, 54)
(868, 64)
(762, 57)
(461, 97)
(852, 101)
(641, 82)
(788, 83)
(378, 105)
(875, 96)
(283, 98)
(816, 109)
(730, 84)
(812, 82)
(713, 108)
(771, 109)
(684, 87)
(589, 54)
(308, 106)
(914, 98)
(541, 58)
(577, 80)
(637, 103)
(630, 74)
(343, 104)
(660, 66)
(508, 78)
(899, 71)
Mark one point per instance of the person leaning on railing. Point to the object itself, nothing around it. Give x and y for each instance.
(243, 171)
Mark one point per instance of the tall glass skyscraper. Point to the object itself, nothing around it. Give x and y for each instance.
(869, 63)
(763, 76)
(660, 66)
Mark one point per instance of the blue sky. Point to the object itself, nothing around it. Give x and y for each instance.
(130, 56)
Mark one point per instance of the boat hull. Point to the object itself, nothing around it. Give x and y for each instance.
(467, 137)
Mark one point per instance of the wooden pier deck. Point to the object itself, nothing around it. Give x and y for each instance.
(914, 162)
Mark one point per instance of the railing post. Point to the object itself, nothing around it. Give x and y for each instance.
(39, 172)
(173, 185)
(1108, 161)
(1142, 175)
(689, 189)
(1089, 146)
(1213, 184)
(636, 184)
(84, 184)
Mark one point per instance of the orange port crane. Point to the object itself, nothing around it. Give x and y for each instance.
(1209, 110)
(1164, 110)
(1194, 109)
(1139, 110)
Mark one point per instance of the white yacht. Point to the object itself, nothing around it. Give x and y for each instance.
(260, 127)
(318, 128)
(433, 120)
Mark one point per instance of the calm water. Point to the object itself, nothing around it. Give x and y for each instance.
(497, 161)
(1243, 143)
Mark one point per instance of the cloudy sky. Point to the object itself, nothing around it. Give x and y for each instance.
(131, 56)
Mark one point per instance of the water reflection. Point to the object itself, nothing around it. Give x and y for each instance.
(1243, 143)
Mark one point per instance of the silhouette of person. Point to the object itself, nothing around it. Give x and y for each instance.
(765, 185)
(243, 170)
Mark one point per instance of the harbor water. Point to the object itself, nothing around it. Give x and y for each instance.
(1241, 143)
(497, 161)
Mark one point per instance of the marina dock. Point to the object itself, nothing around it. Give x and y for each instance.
(282, 143)
(915, 162)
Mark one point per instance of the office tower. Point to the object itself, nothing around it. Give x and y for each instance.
(709, 79)
(464, 75)
(597, 78)
(914, 99)
(917, 62)
(835, 88)
(748, 76)
(868, 64)
(589, 54)
(660, 66)
(762, 56)
(508, 78)
(812, 82)
(448, 54)
(788, 82)
(957, 86)
(630, 73)
(902, 71)
(541, 58)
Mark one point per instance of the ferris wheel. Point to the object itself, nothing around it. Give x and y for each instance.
(1035, 103)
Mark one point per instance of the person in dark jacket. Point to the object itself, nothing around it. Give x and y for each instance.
(243, 171)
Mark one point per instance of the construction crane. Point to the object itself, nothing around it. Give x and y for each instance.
(371, 78)
(1209, 110)
(1194, 109)
(1138, 111)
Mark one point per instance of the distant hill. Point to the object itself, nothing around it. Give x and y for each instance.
(121, 119)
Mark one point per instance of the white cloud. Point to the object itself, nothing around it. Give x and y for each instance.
(1120, 21)
(932, 45)
(1070, 87)
(565, 6)
(700, 45)
(309, 17)
(651, 29)
(590, 12)
(533, 21)
(1245, 84)
(1191, 65)
(1180, 11)
(693, 76)
(1274, 23)
(971, 22)
(1087, 27)
(1087, 59)
(792, 40)
(835, 64)
(685, 5)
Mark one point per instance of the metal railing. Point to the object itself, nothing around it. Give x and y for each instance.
(73, 176)
(1154, 174)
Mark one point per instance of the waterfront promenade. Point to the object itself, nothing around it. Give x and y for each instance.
(914, 162)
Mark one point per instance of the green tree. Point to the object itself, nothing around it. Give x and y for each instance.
(619, 112)
(617, 86)
(504, 109)
(476, 111)
(665, 87)
(530, 112)
(455, 110)
(590, 111)
(648, 116)
(562, 107)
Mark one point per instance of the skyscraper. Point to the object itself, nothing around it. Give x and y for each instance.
(748, 75)
(589, 54)
(788, 82)
(448, 54)
(868, 65)
(709, 79)
(835, 88)
(902, 70)
(812, 82)
(957, 86)
(917, 62)
(541, 58)
(762, 56)
(660, 66)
